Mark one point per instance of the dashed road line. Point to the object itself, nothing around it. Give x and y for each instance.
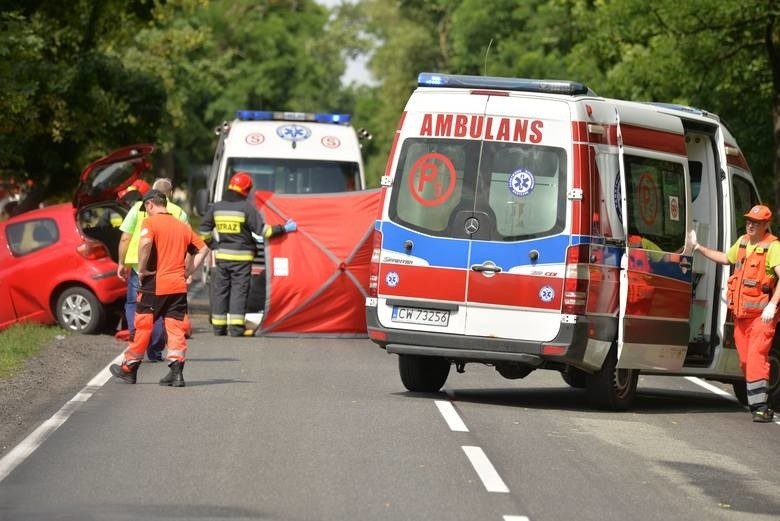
(485, 470)
(516, 518)
(36, 438)
(451, 416)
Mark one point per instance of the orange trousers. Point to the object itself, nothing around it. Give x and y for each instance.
(754, 341)
(173, 308)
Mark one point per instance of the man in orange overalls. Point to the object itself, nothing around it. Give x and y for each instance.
(752, 298)
(162, 274)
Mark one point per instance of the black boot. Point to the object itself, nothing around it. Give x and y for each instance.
(126, 372)
(763, 414)
(174, 376)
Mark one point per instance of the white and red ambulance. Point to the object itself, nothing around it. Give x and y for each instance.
(535, 225)
(284, 152)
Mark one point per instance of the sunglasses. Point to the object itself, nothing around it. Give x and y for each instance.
(754, 223)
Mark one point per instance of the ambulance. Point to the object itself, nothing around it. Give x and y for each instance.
(284, 152)
(532, 224)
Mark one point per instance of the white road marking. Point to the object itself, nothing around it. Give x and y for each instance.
(721, 392)
(485, 470)
(36, 438)
(711, 388)
(451, 416)
(516, 518)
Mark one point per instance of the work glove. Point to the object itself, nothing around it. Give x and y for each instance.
(691, 243)
(290, 226)
(769, 313)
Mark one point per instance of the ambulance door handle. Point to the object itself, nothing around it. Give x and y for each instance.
(487, 266)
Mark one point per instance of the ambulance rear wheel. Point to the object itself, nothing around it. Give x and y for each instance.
(611, 388)
(576, 378)
(423, 374)
(774, 374)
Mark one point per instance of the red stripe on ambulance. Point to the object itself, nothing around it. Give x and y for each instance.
(426, 282)
(506, 289)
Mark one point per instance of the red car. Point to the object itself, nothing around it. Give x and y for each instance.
(58, 264)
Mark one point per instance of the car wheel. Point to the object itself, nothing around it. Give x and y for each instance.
(575, 377)
(79, 310)
(611, 388)
(423, 374)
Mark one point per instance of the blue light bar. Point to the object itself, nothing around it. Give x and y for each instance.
(571, 88)
(332, 118)
(266, 115)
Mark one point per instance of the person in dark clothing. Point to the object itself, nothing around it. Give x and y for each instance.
(239, 227)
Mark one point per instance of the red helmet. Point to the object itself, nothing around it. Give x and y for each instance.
(241, 182)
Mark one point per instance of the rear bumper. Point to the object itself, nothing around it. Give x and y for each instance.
(108, 288)
(569, 347)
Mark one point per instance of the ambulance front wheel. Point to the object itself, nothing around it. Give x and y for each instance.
(611, 388)
(423, 374)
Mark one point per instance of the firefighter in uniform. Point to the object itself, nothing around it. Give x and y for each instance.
(752, 298)
(239, 229)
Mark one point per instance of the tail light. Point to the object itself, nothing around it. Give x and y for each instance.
(92, 250)
(373, 272)
(575, 285)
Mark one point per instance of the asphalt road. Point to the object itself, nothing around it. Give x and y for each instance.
(322, 429)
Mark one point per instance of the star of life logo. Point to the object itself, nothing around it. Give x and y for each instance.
(392, 279)
(546, 294)
(293, 132)
(521, 182)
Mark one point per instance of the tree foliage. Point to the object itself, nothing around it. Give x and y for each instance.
(81, 78)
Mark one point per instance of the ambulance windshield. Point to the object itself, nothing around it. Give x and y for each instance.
(514, 191)
(298, 176)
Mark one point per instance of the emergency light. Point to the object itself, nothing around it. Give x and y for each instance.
(431, 79)
(267, 115)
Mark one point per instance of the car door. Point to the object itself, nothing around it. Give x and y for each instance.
(35, 256)
(7, 309)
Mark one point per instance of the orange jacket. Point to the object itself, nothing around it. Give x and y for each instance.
(750, 287)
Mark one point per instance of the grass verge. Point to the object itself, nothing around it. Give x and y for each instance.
(22, 341)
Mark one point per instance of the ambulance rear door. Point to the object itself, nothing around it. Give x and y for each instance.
(517, 256)
(655, 276)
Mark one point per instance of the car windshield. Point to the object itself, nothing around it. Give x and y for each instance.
(298, 176)
(515, 190)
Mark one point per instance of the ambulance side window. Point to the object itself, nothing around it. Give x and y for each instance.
(656, 201)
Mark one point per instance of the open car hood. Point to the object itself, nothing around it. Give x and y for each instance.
(104, 178)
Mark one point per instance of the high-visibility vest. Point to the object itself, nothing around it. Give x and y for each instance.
(750, 287)
(131, 257)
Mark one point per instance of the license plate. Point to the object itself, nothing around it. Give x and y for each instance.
(429, 317)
